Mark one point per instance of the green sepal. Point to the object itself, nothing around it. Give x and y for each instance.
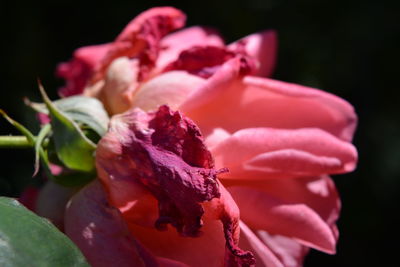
(83, 110)
(73, 148)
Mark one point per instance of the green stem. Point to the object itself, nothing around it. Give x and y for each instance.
(7, 141)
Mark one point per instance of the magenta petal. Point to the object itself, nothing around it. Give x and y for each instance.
(98, 230)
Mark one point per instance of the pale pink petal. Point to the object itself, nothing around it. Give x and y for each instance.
(290, 252)
(170, 88)
(261, 46)
(262, 211)
(120, 84)
(173, 44)
(261, 102)
(98, 230)
(261, 153)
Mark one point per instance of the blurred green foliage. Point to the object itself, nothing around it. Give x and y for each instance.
(349, 48)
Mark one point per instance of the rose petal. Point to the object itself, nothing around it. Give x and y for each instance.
(169, 88)
(290, 252)
(173, 44)
(141, 38)
(264, 256)
(261, 153)
(205, 250)
(101, 235)
(213, 88)
(217, 136)
(261, 102)
(51, 202)
(78, 71)
(276, 216)
(261, 46)
(119, 85)
(318, 193)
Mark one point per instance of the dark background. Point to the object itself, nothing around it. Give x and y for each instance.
(349, 48)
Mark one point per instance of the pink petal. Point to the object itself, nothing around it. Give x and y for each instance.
(298, 221)
(318, 193)
(261, 102)
(261, 153)
(100, 233)
(261, 46)
(213, 89)
(79, 70)
(173, 44)
(264, 255)
(290, 252)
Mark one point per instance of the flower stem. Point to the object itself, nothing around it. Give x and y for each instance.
(7, 141)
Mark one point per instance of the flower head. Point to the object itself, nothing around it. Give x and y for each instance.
(193, 109)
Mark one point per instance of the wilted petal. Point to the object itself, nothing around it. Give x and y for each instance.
(261, 102)
(276, 216)
(261, 153)
(141, 38)
(163, 153)
(173, 44)
(261, 46)
(204, 61)
(101, 234)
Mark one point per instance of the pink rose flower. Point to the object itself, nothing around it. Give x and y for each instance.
(279, 141)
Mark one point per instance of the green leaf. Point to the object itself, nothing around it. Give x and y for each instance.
(73, 148)
(29, 240)
(82, 109)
